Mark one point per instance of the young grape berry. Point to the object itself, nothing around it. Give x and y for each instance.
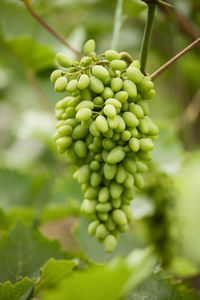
(104, 130)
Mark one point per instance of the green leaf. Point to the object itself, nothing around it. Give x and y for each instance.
(52, 273)
(95, 251)
(8, 291)
(161, 287)
(100, 281)
(24, 251)
(33, 55)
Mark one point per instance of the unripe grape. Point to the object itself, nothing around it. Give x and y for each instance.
(119, 217)
(94, 165)
(92, 227)
(96, 85)
(146, 144)
(139, 181)
(85, 104)
(86, 94)
(112, 55)
(128, 183)
(134, 144)
(116, 84)
(63, 60)
(80, 148)
(84, 176)
(72, 85)
(101, 231)
(101, 124)
(136, 64)
(79, 132)
(110, 243)
(89, 47)
(98, 101)
(122, 96)
(113, 102)
(91, 193)
(125, 135)
(90, 207)
(130, 119)
(116, 203)
(110, 224)
(118, 64)
(55, 75)
(60, 84)
(109, 110)
(121, 174)
(109, 171)
(108, 144)
(130, 165)
(65, 130)
(102, 216)
(84, 114)
(141, 167)
(103, 195)
(95, 179)
(86, 60)
(136, 110)
(130, 88)
(64, 142)
(115, 190)
(83, 82)
(134, 74)
(100, 72)
(103, 207)
(116, 155)
(93, 129)
(107, 93)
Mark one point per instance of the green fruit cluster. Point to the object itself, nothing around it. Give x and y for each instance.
(104, 129)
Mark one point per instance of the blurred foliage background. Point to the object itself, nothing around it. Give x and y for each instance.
(36, 186)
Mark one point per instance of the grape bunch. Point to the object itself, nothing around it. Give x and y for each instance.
(104, 130)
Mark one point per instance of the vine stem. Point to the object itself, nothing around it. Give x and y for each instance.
(158, 72)
(50, 29)
(117, 23)
(147, 35)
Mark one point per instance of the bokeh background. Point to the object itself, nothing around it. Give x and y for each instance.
(36, 185)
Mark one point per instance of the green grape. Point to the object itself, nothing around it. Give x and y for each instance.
(55, 75)
(112, 55)
(105, 130)
(63, 60)
(100, 72)
(89, 47)
(60, 84)
(116, 84)
(109, 110)
(110, 243)
(83, 82)
(118, 64)
(96, 85)
(130, 88)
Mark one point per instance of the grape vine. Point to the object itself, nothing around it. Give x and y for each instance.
(105, 130)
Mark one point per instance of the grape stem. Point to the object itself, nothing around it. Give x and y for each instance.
(147, 35)
(158, 72)
(50, 29)
(117, 24)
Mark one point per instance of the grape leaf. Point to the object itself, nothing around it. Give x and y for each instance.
(52, 273)
(95, 251)
(159, 287)
(102, 282)
(24, 251)
(8, 291)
